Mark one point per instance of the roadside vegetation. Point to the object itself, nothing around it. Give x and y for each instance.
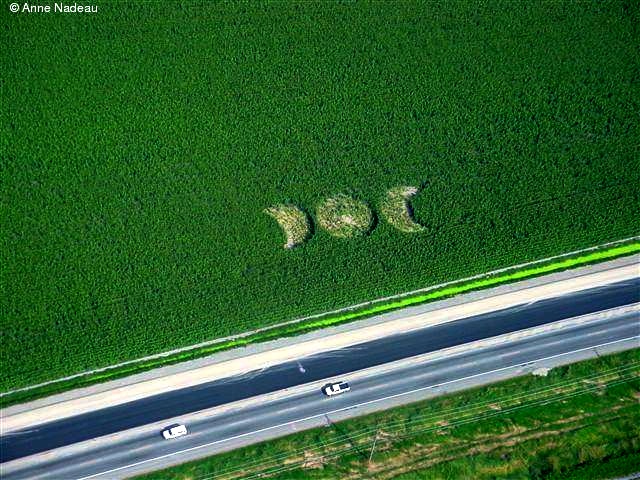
(135, 174)
(575, 421)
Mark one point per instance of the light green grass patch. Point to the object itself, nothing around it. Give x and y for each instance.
(305, 326)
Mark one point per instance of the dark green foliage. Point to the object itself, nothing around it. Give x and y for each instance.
(607, 468)
(141, 145)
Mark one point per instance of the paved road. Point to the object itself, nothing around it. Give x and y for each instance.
(317, 368)
(219, 431)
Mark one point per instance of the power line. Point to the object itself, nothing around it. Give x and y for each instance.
(462, 415)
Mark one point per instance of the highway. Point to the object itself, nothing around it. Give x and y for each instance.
(251, 423)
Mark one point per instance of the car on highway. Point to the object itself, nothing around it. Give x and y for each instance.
(331, 389)
(174, 431)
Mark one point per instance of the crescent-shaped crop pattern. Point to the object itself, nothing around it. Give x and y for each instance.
(396, 209)
(293, 221)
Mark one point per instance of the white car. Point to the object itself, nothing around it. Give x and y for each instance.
(174, 431)
(331, 389)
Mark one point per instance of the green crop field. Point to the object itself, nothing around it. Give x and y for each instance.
(142, 146)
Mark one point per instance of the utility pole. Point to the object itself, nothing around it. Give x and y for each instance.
(328, 423)
(373, 447)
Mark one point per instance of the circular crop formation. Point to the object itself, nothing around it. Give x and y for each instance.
(344, 217)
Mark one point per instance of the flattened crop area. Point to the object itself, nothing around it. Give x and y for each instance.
(143, 144)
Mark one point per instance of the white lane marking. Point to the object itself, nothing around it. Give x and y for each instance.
(20, 432)
(353, 407)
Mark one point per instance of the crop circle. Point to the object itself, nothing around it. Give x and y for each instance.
(344, 217)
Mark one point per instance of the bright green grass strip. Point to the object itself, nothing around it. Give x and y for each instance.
(593, 257)
(478, 284)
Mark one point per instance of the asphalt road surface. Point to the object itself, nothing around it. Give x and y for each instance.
(290, 408)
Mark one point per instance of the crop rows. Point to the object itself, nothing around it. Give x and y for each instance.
(140, 152)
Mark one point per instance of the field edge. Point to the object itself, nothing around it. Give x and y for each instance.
(503, 276)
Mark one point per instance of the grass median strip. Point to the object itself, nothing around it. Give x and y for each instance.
(303, 327)
(528, 427)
